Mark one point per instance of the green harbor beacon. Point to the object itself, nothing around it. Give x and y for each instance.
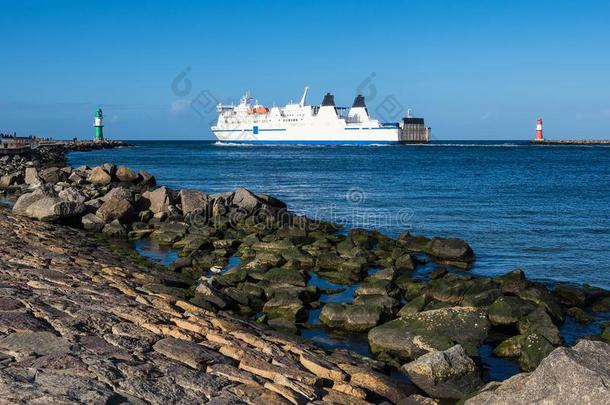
(98, 123)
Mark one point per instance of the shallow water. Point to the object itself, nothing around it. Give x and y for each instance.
(6, 201)
(150, 249)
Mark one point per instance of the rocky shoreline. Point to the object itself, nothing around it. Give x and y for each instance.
(202, 315)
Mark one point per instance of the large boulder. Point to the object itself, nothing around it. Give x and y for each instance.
(578, 375)
(447, 374)
(570, 295)
(126, 175)
(450, 289)
(115, 230)
(507, 310)
(453, 251)
(538, 321)
(601, 305)
(438, 329)
(51, 209)
(92, 222)
(171, 232)
(157, 201)
(287, 307)
(99, 177)
(31, 177)
(529, 350)
(534, 349)
(25, 200)
(10, 180)
(513, 281)
(246, 200)
(116, 209)
(44, 205)
(147, 179)
(395, 342)
(385, 302)
(119, 192)
(52, 175)
(279, 275)
(355, 318)
(207, 291)
(271, 202)
(73, 194)
(540, 296)
(192, 200)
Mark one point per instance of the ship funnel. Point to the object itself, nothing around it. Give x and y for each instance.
(329, 100)
(359, 101)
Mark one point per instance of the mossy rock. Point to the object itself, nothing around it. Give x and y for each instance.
(348, 317)
(345, 247)
(296, 235)
(400, 341)
(329, 261)
(290, 308)
(605, 335)
(374, 287)
(534, 349)
(281, 275)
(239, 296)
(295, 255)
(507, 310)
(411, 288)
(542, 297)
(433, 304)
(405, 263)
(513, 281)
(340, 276)
(414, 306)
(274, 246)
(538, 321)
(253, 290)
(448, 290)
(481, 299)
(510, 347)
(234, 275)
(571, 296)
(601, 305)
(283, 325)
(386, 303)
(194, 242)
(467, 326)
(579, 315)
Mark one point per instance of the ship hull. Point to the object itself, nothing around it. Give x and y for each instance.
(356, 136)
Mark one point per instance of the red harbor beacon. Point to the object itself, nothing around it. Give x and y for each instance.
(539, 136)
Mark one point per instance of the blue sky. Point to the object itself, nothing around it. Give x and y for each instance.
(473, 69)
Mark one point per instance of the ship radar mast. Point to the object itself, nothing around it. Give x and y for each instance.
(246, 98)
(304, 98)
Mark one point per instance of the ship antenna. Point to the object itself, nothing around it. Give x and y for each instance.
(409, 113)
(304, 98)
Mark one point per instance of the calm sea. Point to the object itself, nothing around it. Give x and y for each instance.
(545, 209)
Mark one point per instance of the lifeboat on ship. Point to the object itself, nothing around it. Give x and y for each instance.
(258, 109)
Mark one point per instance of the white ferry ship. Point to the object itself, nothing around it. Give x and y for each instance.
(305, 124)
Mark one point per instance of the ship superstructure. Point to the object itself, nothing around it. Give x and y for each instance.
(251, 122)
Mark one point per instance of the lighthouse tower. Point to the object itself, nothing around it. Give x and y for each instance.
(98, 123)
(539, 136)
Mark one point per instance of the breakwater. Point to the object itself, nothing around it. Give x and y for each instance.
(412, 318)
(583, 142)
